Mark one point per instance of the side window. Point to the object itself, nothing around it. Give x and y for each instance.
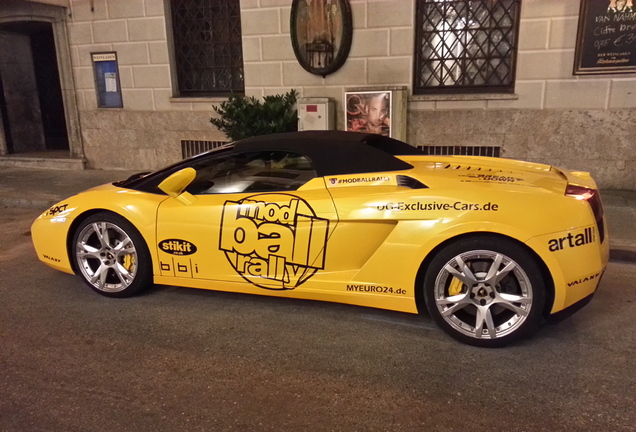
(269, 171)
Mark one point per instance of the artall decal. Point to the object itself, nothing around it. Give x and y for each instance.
(274, 241)
(572, 240)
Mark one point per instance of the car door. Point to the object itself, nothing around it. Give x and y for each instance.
(261, 217)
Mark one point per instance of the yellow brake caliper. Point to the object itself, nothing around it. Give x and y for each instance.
(455, 287)
(129, 263)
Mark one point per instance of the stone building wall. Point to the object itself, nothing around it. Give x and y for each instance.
(579, 122)
(147, 132)
(582, 122)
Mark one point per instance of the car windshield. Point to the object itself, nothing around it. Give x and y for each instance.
(149, 180)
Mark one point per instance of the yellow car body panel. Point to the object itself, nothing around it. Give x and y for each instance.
(358, 239)
(51, 230)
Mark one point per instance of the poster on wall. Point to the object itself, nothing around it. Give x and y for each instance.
(369, 111)
(107, 80)
(606, 39)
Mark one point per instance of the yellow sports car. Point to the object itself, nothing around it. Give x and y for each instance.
(490, 247)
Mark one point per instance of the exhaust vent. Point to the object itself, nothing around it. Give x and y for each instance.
(410, 182)
(492, 151)
(191, 148)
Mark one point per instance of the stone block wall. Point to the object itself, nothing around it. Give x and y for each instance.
(381, 51)
(147, 132)
(591, 119)
(578, 122)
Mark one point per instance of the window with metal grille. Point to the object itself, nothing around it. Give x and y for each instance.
(493, 151)
(207, 47)
(466, 46)
(191, 148)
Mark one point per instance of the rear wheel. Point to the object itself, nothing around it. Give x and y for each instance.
(111, 256)
(485, 291)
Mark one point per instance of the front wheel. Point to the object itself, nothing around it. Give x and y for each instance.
(485, 291)
(111, 255)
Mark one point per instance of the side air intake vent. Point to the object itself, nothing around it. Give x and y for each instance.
(493, 151)
(410, 182)
(191, 148)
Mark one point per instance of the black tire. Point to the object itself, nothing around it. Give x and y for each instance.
(498, 297)
(117, 264)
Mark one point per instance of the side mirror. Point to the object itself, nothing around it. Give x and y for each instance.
(174, 185)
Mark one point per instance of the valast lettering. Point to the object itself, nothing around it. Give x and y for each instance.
(585, 279)
(51, 258)
(273, 241)
(177, 247)
(572, 240)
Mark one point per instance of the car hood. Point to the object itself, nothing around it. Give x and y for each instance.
(496, 171)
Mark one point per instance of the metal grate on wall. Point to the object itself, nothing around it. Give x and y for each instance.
(191, 148)
(466, 45)
(207, 46)
(492, 151)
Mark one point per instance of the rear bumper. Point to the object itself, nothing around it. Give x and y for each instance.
(576, 260)
(570, 310)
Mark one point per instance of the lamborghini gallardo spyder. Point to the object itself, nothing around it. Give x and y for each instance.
(490, 247)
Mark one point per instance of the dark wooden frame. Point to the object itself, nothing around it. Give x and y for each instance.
(345, 44)
(587, 43)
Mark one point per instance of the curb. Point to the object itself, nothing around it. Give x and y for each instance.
(42, 204)
(623, 255)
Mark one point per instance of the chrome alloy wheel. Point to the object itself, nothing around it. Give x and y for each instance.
(483, 294)
(106, 256)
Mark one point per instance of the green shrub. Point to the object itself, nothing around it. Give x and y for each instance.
(243, 117)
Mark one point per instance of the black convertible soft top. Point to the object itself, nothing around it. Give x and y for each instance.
(330, 153)
(337, 152)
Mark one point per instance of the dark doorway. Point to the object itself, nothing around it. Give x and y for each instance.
(4, 115)
(49, 91)
(31, 104)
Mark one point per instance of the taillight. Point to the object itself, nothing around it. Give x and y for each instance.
(594, 199)
(579, 192)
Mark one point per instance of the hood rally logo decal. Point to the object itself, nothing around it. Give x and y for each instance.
(274, 241)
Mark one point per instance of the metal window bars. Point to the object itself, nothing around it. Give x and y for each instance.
(466, 46)
(207, 46)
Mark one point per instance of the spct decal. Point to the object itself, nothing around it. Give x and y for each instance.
(56, 209)
(274, 241)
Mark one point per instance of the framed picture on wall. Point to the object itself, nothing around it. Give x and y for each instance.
(369, 111)
(606, 38)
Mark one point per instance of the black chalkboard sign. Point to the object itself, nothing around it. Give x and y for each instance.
(606, 40)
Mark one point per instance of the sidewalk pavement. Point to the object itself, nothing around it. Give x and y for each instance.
(41, 188)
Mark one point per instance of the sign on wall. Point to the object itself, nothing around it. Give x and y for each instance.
(107, 80)
(606, 39)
